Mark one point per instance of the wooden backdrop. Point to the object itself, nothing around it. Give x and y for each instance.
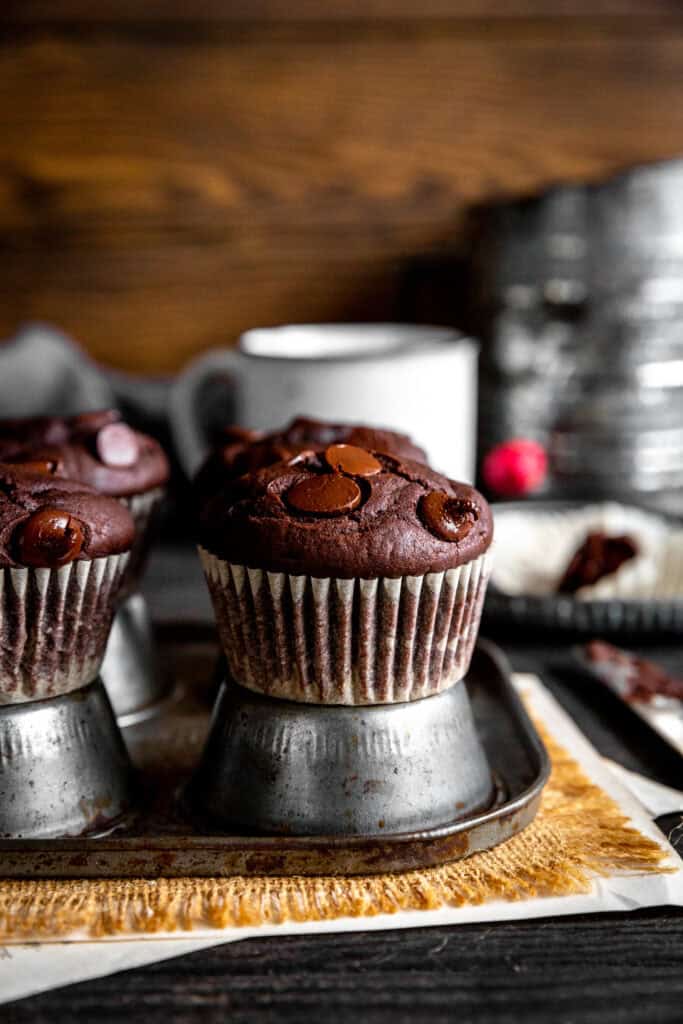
(174, 171)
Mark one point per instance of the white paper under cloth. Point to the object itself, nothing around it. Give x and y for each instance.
(26, 969)
(346, 641)
(54, 626)
(534, 549)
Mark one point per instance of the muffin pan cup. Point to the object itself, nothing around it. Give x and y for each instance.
(64, 769)
(306, 769)
(164, 840)
(131, 672)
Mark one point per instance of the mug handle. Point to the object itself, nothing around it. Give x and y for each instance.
(190, 441)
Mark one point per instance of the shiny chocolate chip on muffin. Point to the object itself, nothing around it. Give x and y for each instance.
(46, 522)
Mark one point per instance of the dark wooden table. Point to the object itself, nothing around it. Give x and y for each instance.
(590, 968)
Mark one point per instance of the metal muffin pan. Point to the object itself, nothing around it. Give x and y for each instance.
(132, 675)
(306, 769)
(561, 612)
(164, 841)
(64, 768)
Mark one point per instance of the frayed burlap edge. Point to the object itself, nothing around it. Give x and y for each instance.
(579, 833)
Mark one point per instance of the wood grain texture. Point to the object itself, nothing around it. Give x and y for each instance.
(163, 189)
(217, 11)
(613, 968)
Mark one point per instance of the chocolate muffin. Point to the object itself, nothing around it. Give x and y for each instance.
(101, 451)
(346, 576)
(63, 552)
(243, 451)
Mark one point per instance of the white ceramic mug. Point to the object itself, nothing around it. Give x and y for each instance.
(418, 380)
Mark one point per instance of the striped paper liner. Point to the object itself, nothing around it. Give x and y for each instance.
(143, 507)
(340, 641)
(54, 625)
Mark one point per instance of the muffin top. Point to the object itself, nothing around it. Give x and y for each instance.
(96, 448)
(244, 451)
(46, 522)
(346, 512)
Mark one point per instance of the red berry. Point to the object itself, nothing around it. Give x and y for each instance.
(515, 468)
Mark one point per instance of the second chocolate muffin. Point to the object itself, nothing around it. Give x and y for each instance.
(63, 552)
(100, 450)
(346, 576)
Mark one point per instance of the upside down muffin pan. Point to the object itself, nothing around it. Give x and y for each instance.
(166, 838)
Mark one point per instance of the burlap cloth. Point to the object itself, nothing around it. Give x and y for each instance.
(579, 833)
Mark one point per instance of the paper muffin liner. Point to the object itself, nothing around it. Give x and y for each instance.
(339, 641)
(144, 508)
(54, 625)
(536, 547)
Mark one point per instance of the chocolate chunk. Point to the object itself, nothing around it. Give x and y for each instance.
(449, 518)
(42, 467)
(598, 556)
(347, 458)
(328, 495)
(49, 538)
(117, 445)
(636, 679)
(92, 422)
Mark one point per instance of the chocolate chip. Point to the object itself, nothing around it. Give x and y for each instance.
(91, 422)
(449, 518)
(41, 467)
(50, 538)
(327, 495)
(347, 458)
(117, 445)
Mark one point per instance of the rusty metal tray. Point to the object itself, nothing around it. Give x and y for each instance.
(162, 842)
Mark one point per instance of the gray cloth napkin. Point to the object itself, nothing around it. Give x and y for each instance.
(42, 372)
